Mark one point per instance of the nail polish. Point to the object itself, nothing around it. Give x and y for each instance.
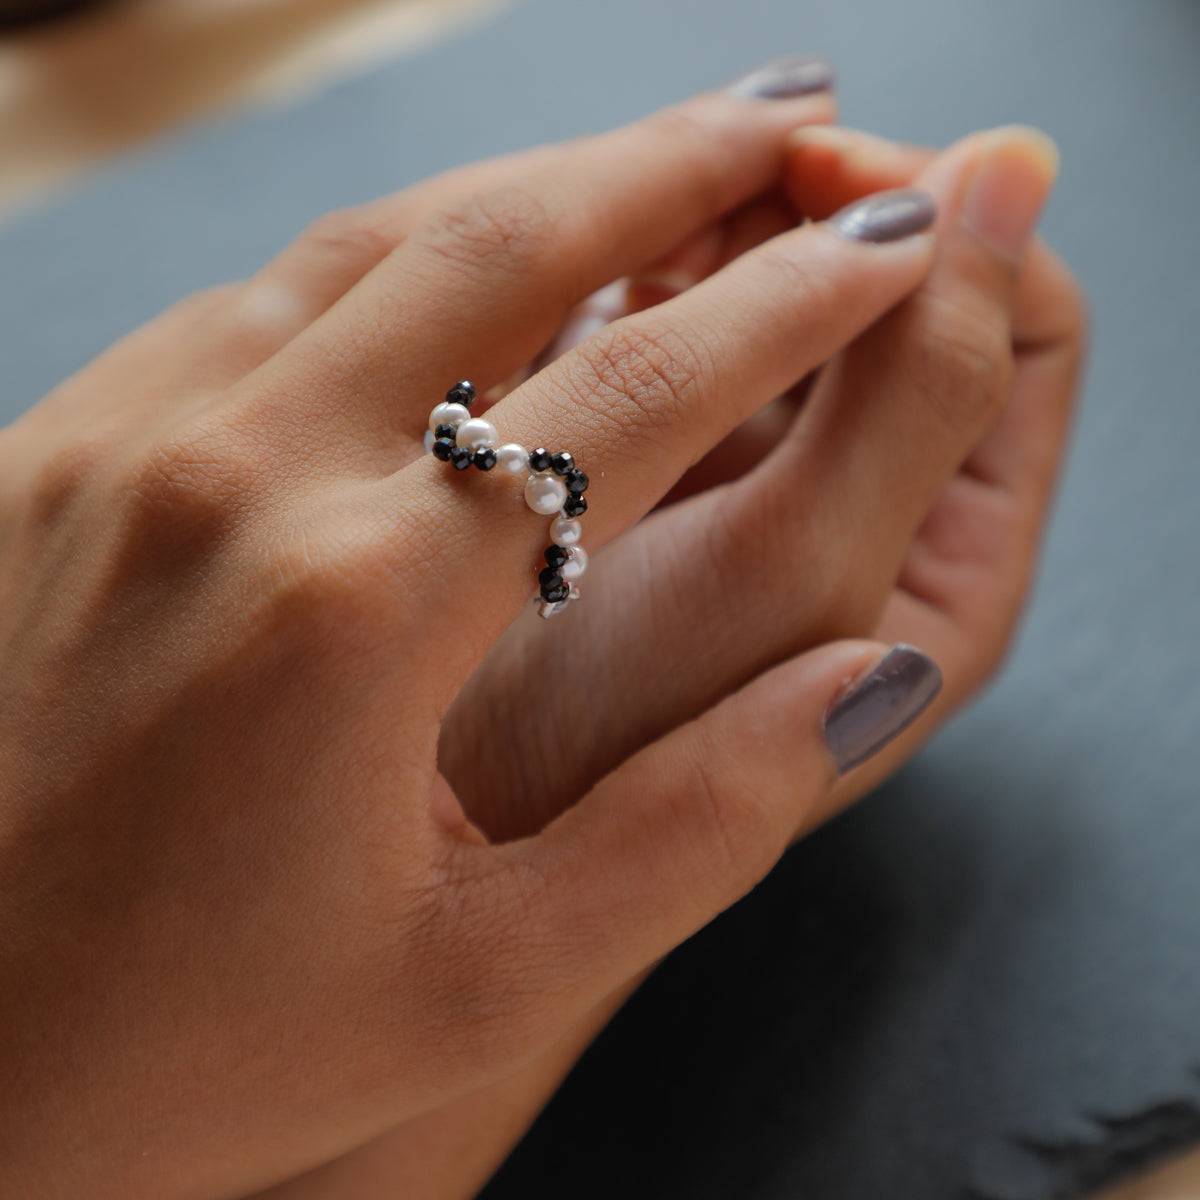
(880, 705)
(886, 217)
(1009, 188)
(786, 78)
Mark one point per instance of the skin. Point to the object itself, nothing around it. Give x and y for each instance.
(958, 592)
(245, 891)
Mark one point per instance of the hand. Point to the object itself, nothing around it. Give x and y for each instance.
(956, 567)
(247, 926)
(964, 575)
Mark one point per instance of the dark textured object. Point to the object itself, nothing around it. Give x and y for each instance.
(443, 447)
(984, 981)
(460, 457)
(539, 459)
(549, 577)
(463, 392)
(562, 462)
(576, 481)
(575, 506)
(556, 556)
(28, 12)
(446, 431)
(485, 459)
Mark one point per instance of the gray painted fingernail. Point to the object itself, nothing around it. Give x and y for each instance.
(785, 78)
(893, 694)
(886, 217)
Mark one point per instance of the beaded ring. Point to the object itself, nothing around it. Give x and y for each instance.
(554, 487)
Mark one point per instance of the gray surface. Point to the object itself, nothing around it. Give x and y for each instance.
(987, 980)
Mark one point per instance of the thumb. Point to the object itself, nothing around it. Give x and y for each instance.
(692, 822)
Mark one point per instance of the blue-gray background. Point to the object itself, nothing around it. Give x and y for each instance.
(986, 981)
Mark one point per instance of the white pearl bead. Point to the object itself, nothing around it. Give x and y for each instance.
(545, 494)
(448, 414)
(512, 458)
(565, 531)
(476, 434)
(429, 440)
(576, 563)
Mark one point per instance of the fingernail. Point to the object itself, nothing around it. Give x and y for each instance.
(883, 703)
(785, 78)
(886, 217)
(1010, 187)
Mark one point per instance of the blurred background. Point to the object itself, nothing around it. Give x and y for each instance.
(986, 981)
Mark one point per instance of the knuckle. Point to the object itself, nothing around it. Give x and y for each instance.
(203, 303)
(700, 135)
(962, 365)
(644, 377)
(507, 229)
(347, 234)
(68, 474)
(734, 824)
(67, 478)
(812, 283)
(787, 265)
(313, 587)
(325, 584)
(188, 491)
(1057, 309)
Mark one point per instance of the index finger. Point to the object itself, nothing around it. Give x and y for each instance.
(695, 154)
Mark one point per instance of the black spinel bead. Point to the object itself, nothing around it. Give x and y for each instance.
(556, 556)
(443, 448)
(463, 392)
(446, 431)
(575, 506)
(549, 577)
(562, 462)
(485, 459)
(577, 482)
(553, 595)
(539, 459)
(460, 458)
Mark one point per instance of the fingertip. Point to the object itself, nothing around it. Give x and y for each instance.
(1010, 187)
(996, 183)
(1032, 143)
(829, 166)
